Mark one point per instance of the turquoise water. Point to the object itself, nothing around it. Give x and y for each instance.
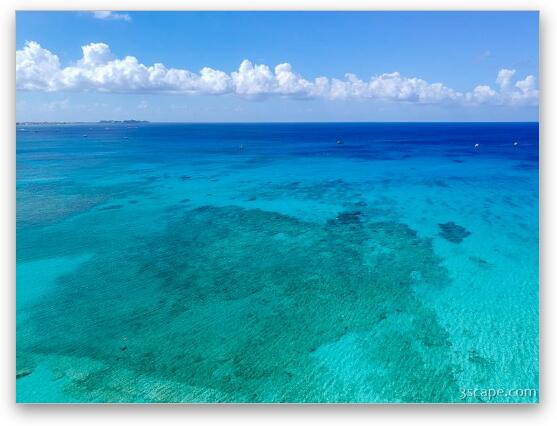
(268, 263)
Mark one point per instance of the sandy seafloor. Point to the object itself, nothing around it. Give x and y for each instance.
(268, 263)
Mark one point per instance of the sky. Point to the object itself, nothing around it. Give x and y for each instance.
(277, 66)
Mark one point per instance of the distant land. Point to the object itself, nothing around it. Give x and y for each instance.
(37, 123)
(31, 123)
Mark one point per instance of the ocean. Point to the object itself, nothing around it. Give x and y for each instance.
(308, 262)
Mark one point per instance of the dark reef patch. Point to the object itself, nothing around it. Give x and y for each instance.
(346, 218)
(526, 166)
(40, 204)
(453, 232)
(480, 262)
(322, 191)
(111, 207)
(435, 182)
(238, 305)
(509, 200)
(22, 373)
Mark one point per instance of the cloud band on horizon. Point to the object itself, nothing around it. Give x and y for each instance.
(38, 69)
(108, 15)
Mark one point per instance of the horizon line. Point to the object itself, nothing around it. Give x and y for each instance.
(107, 122)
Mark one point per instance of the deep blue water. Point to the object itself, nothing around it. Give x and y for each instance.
(366, 141)
(269, 263)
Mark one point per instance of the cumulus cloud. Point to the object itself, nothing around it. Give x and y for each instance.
(482, 94)
(100, 70)
(527, 90)
(111, 16)
(523, 92)
(36, 68)
(504, 78)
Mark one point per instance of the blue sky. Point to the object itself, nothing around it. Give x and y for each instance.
(403, 66)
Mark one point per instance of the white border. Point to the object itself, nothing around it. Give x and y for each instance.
(59, 415)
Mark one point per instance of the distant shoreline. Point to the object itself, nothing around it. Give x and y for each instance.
(32, 123)
(36, 123)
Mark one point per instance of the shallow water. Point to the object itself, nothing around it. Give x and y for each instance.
(267, 263)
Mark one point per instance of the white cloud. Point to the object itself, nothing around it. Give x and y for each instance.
(36, 68)
(392, 87)
(526, 85)
(482, 94)
(504, 78)
(527, 91)
(95, 54)
(112, 16)
(100, 70)
(523, 92)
